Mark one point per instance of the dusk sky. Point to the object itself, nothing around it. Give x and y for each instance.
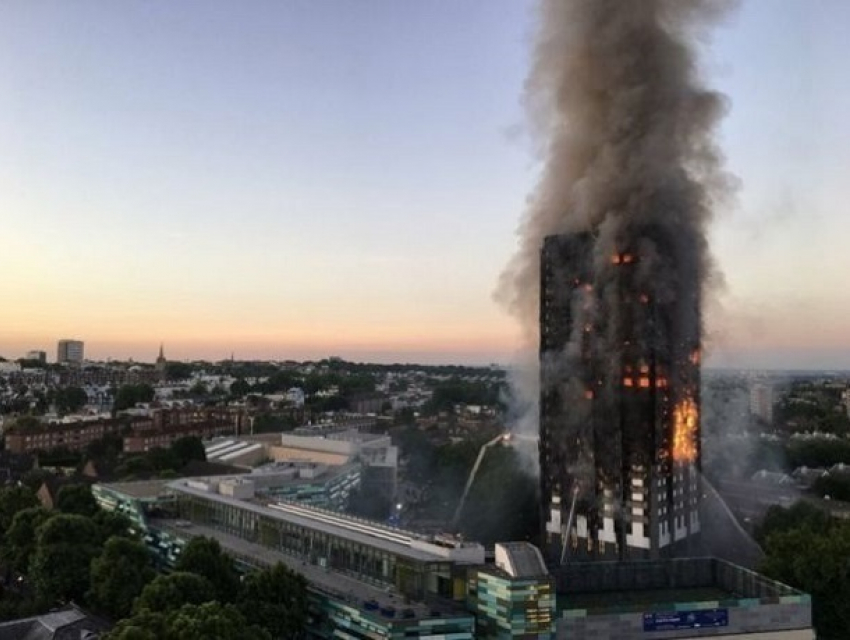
(303, 178)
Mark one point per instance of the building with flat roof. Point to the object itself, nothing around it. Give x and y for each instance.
(370, 581)
(37, 355)
(677, 598)
(70, 352)
(342, 445)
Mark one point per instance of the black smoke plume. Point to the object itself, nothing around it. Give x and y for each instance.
(626, 131)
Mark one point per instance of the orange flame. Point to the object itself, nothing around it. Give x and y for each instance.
(685, 417)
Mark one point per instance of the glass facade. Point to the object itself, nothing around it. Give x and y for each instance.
(332, 618)
(371, 564)
(168, 519)
(511, 608)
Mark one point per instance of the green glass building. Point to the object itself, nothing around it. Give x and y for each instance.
(514, 599)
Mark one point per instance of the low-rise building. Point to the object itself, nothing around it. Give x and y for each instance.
(67, 623)
(685, 598)
(75, 434)
(141, 430)
(371, 581)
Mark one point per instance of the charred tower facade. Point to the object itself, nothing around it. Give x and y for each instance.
(619, 408)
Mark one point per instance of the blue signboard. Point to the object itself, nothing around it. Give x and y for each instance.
(670, 621)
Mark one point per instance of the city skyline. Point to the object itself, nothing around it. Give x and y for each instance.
(271, 183)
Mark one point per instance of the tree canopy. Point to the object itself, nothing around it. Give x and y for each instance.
(187, 449)
(13, 500)
(78, 499)
(807, 549)
(205, 557)
(129, 395)
(276, 600)
(66, 544)
(173, 590)
(118, 576)
(70, 399)
(207, 621)
(18, 543)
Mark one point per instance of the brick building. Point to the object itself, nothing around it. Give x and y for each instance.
(140, 433)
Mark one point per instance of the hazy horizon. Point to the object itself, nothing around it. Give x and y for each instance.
(327, 179)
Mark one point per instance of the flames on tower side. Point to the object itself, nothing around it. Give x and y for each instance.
(612, 267)
(619, 416)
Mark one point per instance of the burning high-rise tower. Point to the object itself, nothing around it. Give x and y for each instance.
(619, 423)
(612, 268)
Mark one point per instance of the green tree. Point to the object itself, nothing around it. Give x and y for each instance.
(835, 486)
(160, 459)
(111, 524)
(818, 562)
(129, 395)
(239, 388)
(13, 500)
(800, 514)
(205, 557)
(25, 424)
(78, 499)
(18, 544)
(210, 621)
(174, 590)
(144, 625)
(188, 449)
(34, 478)
(118, 576)
(199, 390)
(106, 450)
(66, 544)
(178, 371)
(70, 399)
(276, 600)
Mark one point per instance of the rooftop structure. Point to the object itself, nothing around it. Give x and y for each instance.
(69, 623)
(233, 451)
(239, 495)
(679, 598)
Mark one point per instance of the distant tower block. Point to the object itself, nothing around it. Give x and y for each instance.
(619, 408)
(761, 401)
(70, 352)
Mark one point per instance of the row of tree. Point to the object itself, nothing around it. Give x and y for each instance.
(205, 598)
(454, 391)
(80, 553)
(808, 549)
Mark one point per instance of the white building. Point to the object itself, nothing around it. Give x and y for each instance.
(761, 401)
